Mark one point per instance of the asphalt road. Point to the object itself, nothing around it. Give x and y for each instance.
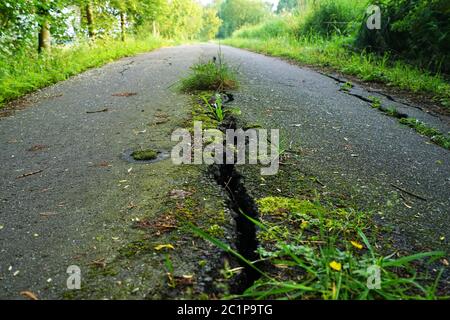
(49, 217)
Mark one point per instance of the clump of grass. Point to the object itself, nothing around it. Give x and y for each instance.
(210, 76)
(144, 155)
(326, 257)
(434, 134)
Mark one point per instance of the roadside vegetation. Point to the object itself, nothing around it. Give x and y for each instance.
(42, 42)
(333, 34)
(213, 75)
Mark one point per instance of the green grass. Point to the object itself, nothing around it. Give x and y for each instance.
(328, 257)
(332, 53)
(210, 76)
(434, 134)
(24, 73)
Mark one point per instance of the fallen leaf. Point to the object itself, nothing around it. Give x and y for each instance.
(336, 266)
(164, 246)
(30, 295)
(1, 227)
(356, 244)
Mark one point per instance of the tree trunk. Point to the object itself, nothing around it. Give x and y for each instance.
(90, 20)
(155, 29)
(122, 26)
(44, 36)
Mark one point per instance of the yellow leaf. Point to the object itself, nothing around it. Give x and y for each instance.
(336, 266)
(30, 295)
(356, 244)
(164, 246)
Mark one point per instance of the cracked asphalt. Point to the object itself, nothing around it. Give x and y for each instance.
(49, 218)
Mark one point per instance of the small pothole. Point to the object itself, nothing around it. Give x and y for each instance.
(144, 156)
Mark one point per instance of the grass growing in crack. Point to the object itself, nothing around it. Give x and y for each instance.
(346, 87)
(321, 263)
(215, 106)
(333, 53)
(434, 134)
(212, 75)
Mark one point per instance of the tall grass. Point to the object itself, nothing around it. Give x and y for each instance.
(211, 75)
(330, 268)
(26, 72)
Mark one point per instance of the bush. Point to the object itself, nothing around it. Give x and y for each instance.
(417, 30)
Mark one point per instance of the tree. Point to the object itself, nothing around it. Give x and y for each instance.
(211, 23)
(43, 18)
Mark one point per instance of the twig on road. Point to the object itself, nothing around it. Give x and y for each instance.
(98, 111)
(408, 192)
(29, 174)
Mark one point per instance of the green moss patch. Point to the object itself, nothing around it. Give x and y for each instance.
(145, 155)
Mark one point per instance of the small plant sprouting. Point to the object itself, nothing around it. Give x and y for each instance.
(170, 269)
(215, 106)
(346, 87)
(434, 134)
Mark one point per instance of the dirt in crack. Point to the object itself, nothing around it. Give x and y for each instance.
(240, 202)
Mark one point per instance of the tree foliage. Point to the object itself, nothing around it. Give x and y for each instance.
(416, 29)
(25, 23)
(237, 13)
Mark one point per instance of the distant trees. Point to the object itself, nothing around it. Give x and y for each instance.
(41, 23)
(237, 13)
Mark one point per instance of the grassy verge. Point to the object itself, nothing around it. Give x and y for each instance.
(25, 73)
(332, 53)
